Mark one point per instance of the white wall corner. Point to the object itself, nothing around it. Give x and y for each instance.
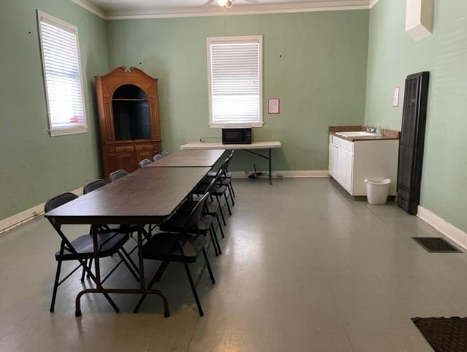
(90, 7)
(450, 231)
(373, 3)
(419, 18)
(29, 214)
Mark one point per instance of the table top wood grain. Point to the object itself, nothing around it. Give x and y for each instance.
(147, 196)
(189, 158)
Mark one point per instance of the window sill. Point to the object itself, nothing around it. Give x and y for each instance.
(67, 131)
(236, 125)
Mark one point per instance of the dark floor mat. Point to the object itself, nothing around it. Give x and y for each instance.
(444, 334)
(436, 245)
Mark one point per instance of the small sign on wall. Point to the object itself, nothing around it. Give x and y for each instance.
(395, 99)
(274, 106)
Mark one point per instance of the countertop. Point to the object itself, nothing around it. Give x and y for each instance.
(386, 134)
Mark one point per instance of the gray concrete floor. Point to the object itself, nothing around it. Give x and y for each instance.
(305, 268)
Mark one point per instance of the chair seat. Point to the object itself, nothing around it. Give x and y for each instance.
(163, 244)
(109, 244)
(223, 181)
(213, 174)
(177, 223)
(188, 206)
(203, 187)
(123, 228)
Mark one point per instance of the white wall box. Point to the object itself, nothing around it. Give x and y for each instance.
(419, 18)
(350, 163)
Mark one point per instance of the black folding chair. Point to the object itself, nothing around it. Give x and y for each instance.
(211, 211)
(226, 175)
(82, 249)
(116, 175)
(218, 191)
(181, 247)
(143, 163)
(130, 229)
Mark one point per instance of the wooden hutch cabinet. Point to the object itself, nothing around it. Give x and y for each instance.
(128, 118)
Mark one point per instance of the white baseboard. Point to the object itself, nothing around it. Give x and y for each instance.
(447, 229)
(29, 214)
(285, 174)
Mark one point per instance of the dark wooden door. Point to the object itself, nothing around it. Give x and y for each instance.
(144, 151)
(412, 142)
(125, 158)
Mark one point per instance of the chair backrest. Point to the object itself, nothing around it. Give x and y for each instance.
(164, 153)
(222, 170)
(216, 179)
(143, 163)
(227, 164)
(157, 157)
(114, 176)
(195, 214)
(58, 201)
(93, 185)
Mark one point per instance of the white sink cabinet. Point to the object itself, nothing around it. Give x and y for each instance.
(351, 162)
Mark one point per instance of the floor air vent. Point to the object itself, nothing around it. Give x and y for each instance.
(436, 245)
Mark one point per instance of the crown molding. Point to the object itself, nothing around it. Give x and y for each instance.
(238, 10)
(91, 8)
(373, 3)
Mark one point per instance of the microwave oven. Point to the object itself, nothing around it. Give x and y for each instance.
(236, 136)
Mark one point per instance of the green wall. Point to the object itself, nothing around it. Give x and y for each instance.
(392, 56)
(36, 166)
(314, 62)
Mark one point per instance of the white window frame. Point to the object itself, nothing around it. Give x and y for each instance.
(41, 16)
(259, 39)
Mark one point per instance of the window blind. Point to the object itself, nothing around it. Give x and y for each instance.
(235, 81)
(60, 56)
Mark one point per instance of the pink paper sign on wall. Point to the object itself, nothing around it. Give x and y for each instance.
(274, 106)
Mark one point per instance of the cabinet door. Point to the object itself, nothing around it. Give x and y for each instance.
(143, 152)
(331, 161)
(341, 160)
(348, 172)
(126, 158)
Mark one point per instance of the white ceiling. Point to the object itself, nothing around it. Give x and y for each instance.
(115, 9)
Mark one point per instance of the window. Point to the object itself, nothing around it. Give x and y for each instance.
(235, 81)
(62, 76)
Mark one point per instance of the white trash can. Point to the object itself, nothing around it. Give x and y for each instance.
(377, 191)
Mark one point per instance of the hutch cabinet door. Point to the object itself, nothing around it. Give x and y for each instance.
(144, 151)
(125, 158)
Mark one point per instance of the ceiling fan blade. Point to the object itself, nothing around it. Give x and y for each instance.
(252, 1)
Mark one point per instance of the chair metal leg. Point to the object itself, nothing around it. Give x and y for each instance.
(128, 257)
(143, 297)
(231, 196)
(208, 266)
(84, 271)
(161, 270)
(130, 269)
(227, 203)
(57, 278)
(214, 238)
(231, 187)
(220, 225)
(190, 279)
(90, 268)
(220, 207)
